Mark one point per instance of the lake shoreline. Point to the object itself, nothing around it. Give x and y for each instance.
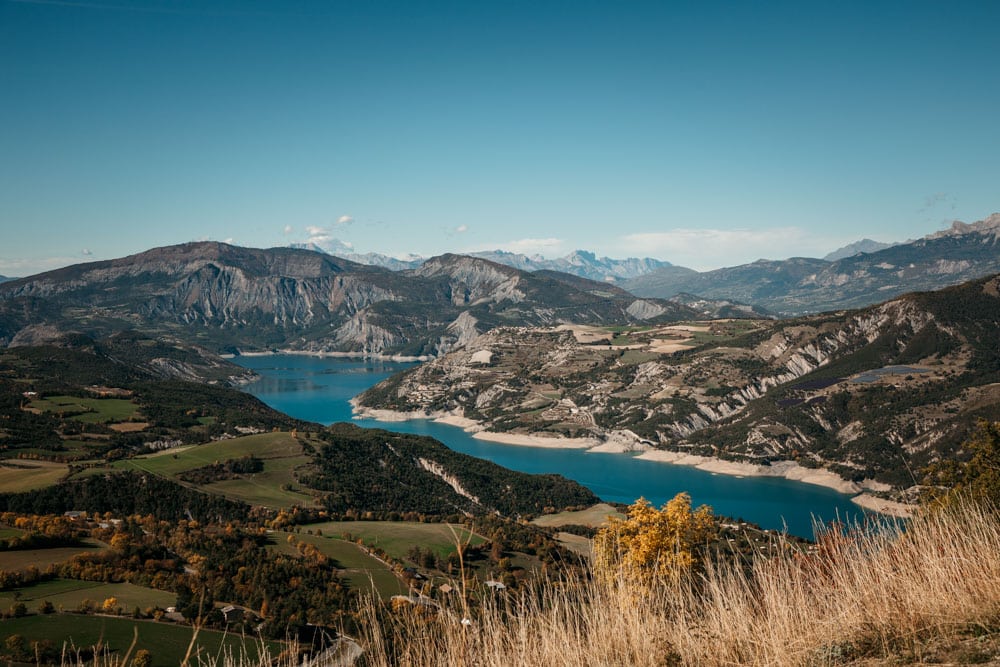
(625, 442)
(399, 358)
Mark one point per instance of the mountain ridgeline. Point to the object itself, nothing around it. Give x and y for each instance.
(581, 263)
(228, 298)
(853, 279)
(875, 394)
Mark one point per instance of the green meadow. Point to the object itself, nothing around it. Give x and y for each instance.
(360, 570)
(275, 486)
(167, 643)
(594, 516)
(398, 537)
(89, 410)
(21, 559)
(68, 594)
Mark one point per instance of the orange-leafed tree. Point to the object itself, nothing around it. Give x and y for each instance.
(651, 543)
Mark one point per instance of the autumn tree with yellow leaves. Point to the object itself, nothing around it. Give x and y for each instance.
(652, 543)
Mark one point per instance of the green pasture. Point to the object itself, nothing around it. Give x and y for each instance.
(171, 462)
(268, 488)
(69, 593)
(398, 537)
(8, 532)
(167, 643)
(596, 515)
(638, 356)
(275, 486)
(361, 571)
(21, 559)
(89, 410)
(722, 332)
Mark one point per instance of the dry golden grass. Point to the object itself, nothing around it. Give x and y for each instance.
(866, 597)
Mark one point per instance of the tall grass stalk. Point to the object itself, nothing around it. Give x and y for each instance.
(864, 594)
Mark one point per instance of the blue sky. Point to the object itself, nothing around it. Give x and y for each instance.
(703, 133)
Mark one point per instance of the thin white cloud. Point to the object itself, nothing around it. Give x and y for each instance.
(229, 241)
(86, 252)
(288, 229)
(323, 238)
(461, 229)
(705, 249)
(320, 236)
(345, 220)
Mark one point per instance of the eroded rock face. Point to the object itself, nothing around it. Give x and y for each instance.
(645, 310)
(295, 298)
(787, 390)
(472, 281)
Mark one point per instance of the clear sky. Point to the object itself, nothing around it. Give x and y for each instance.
(702, 133)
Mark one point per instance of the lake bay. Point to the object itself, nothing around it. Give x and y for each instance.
(319, 389)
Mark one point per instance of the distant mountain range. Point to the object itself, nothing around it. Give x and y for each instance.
(578, 263)
(858, 274)
(802, 285)
(857, 248)
(228, 298)
(4, 279)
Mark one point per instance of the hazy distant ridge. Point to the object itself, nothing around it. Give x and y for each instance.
(857, 248)
(581, 263)
(802, 285)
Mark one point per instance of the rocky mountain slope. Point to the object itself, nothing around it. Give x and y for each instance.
(856, 248)
(227, 298)
(801, 285)
(873, 394)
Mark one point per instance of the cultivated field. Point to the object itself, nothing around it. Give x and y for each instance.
(275, 486)
(398, 537)
(68, 594)
(89, 410)
(592, 516)
(360, 570)
(18, 475)
(7, 531)
(167, 643)
(41, 558)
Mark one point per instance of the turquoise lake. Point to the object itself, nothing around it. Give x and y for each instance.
(319, 390)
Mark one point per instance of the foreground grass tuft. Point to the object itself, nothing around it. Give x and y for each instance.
(887, 597)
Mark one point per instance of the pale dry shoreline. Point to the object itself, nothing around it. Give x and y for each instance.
(620, 444)
(337, 355)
